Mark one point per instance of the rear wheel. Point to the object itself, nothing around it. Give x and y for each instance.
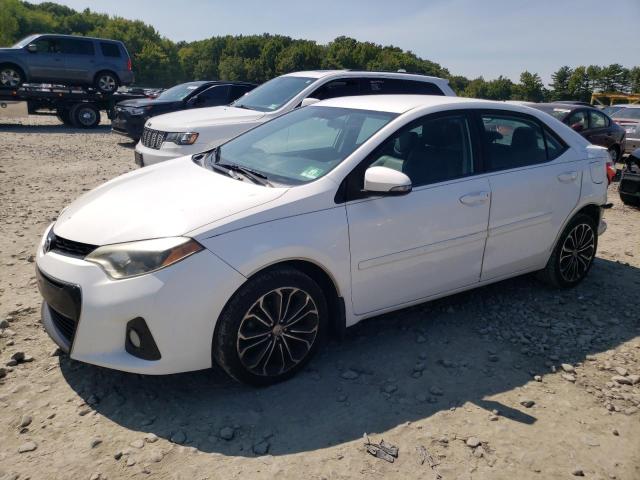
(106, 82)
(574, 253)
(271, 327)
(84, 115)
(11, 76)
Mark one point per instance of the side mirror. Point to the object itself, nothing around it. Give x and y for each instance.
(309, 101)
(578, 127)
(386, 181)
(32, 47)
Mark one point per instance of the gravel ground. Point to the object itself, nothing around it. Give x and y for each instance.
(513, 380)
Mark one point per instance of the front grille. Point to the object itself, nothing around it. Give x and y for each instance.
(153, 138)
(69, 247)
(65, 325)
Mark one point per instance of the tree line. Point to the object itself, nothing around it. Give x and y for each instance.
(161, 62)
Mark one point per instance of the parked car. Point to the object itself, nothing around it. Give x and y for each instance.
(628, 117)
(73, 60)
(248, 255)
(593, 124)
(630, 180)
(184, 133)
(131, 115)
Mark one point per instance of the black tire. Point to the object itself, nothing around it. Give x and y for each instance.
(64, 116)
(84, 115)
(558, 272)
(11, 76)
(106, 82)
(249, 361)
(630, 200)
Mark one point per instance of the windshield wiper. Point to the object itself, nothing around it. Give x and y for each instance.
(255, 176)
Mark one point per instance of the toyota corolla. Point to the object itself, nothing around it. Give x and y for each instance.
(250, 254)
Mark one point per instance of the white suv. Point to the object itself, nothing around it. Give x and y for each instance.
(194, 131)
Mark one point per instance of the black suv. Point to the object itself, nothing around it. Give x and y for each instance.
(131, 115)
(73, 60)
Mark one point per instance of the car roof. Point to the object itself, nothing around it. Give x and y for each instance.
(216, 82)
(403, 103)
(365, 73)
(627, 105)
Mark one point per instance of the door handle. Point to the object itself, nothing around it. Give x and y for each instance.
(473, 199)
(567, 177)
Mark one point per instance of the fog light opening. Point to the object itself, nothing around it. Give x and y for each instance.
(134, 338)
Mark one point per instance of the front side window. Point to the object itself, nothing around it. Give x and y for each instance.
(48, 45)
(597, 120)
(429, 150)
(512, 142)
(214, 95)
(303, 145)
(273, 94)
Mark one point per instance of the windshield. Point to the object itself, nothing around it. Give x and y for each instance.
(273, 94)
(25, 41)
(301, 146)
(179, 92)
(625, 112)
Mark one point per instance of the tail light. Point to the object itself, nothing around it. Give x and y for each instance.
(609, 171)
(129, 64)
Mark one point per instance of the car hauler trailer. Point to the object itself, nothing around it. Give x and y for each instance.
(75, 106)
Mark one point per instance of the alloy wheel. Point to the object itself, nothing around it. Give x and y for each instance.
(107, 83)
(278, 331)
(577, 252)
(86, 117)
(9, 77)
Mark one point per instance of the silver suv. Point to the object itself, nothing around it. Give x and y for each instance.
(104, 64)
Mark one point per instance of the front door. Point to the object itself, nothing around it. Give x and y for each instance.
(47, 63)
(430, 240)
(535, 184)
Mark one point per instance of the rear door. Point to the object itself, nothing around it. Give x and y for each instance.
(79, 58)
(47, 64)
(431, 240)
(535, 184)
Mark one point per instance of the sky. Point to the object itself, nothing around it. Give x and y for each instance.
(468, 37)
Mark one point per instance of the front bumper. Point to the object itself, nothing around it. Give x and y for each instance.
(130, 126)
(180, 305)
(168, 151)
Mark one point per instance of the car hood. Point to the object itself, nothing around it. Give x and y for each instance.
(8, 49)
(145, 102)
(165, 200)
(184, 121)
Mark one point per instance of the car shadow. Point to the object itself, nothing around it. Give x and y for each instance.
(53, 128)
(408, 366)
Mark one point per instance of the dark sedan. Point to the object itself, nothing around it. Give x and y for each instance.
(628, 117)
(591, 123)
(131, 115)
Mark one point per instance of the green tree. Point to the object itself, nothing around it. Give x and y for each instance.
(579, 85)
(560, 83)
(530, 88)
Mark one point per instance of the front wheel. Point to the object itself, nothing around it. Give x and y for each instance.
(574, 253)
(10, 77)
(271, 327)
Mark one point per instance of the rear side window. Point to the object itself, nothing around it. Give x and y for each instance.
(578, 121)
(77, 47)
(337, 88)
(597, 120)
(110, 49)
(382, 86)
(512, 142)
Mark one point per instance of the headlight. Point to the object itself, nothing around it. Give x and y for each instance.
(124, 260)
(138, 110)
(179, 138)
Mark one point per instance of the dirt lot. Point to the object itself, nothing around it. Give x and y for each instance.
(509, 381)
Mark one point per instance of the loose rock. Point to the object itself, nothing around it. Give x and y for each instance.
(227, 433)
(473, 442)
(27, 447)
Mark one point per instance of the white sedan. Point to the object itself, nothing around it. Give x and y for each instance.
(250, 254)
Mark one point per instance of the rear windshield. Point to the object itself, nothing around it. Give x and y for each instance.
(274, 94)
(624, 112)
(110, 49)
